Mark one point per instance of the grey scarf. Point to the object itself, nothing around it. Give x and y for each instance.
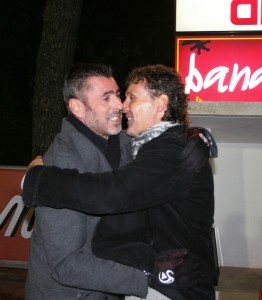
(149, 134)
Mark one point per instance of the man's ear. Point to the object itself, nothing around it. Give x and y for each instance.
(77, 107)
(162, 103)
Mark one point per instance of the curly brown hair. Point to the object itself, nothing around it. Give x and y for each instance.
(162, 80)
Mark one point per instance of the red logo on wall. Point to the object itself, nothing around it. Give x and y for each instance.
(221, 68)
(249, 6)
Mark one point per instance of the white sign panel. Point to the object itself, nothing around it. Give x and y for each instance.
(218, 15)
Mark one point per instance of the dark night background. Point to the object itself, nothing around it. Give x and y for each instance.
(122, 34)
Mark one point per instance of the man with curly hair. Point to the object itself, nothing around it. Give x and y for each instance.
(164, 199)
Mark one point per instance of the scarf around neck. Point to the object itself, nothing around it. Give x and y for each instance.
(149, 134)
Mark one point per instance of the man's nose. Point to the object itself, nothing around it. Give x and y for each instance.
(118, 103)
(125, 106)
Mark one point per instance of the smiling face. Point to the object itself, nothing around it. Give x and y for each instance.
(100, 106)
(142, 109)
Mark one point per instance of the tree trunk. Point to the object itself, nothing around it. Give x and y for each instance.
(56, 51)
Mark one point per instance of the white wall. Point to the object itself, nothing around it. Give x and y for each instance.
(238, 204)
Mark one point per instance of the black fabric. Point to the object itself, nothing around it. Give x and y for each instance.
(123, 237)
(206, 137)
(197, 146)
(109, 147)
(160, 181)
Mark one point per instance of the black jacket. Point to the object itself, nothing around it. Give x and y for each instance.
(177, 206)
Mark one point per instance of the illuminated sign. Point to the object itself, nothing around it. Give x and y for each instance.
(218, 15)
(15, 218)
(220, 68)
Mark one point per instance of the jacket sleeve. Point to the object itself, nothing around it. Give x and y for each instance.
(141, 184)
(70, 258)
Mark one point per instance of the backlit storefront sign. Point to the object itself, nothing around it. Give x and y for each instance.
(220, 68)
(218, 15)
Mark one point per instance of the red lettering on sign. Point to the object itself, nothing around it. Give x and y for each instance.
(195, 81)
(252, 19)
(221, 68)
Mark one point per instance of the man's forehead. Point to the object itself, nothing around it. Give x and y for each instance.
(102, 81)
(135, 86)
(102, 84)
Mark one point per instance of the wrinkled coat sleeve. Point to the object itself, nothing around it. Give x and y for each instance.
(71, 260)
(141, 184)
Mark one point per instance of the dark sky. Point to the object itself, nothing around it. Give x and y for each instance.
(127, 33)
(123, 34)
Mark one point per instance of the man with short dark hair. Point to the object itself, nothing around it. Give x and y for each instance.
(61, 264)
(164, 198)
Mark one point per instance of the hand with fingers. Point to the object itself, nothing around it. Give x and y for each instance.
(37, 161)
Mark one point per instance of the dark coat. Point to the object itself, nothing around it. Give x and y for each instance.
(177, 204)
(183, 221)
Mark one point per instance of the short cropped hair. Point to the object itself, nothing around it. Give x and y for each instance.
(76, 81)
(162, 80)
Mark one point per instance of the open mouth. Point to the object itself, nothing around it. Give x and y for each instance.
(129, 117)
(116, 119)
